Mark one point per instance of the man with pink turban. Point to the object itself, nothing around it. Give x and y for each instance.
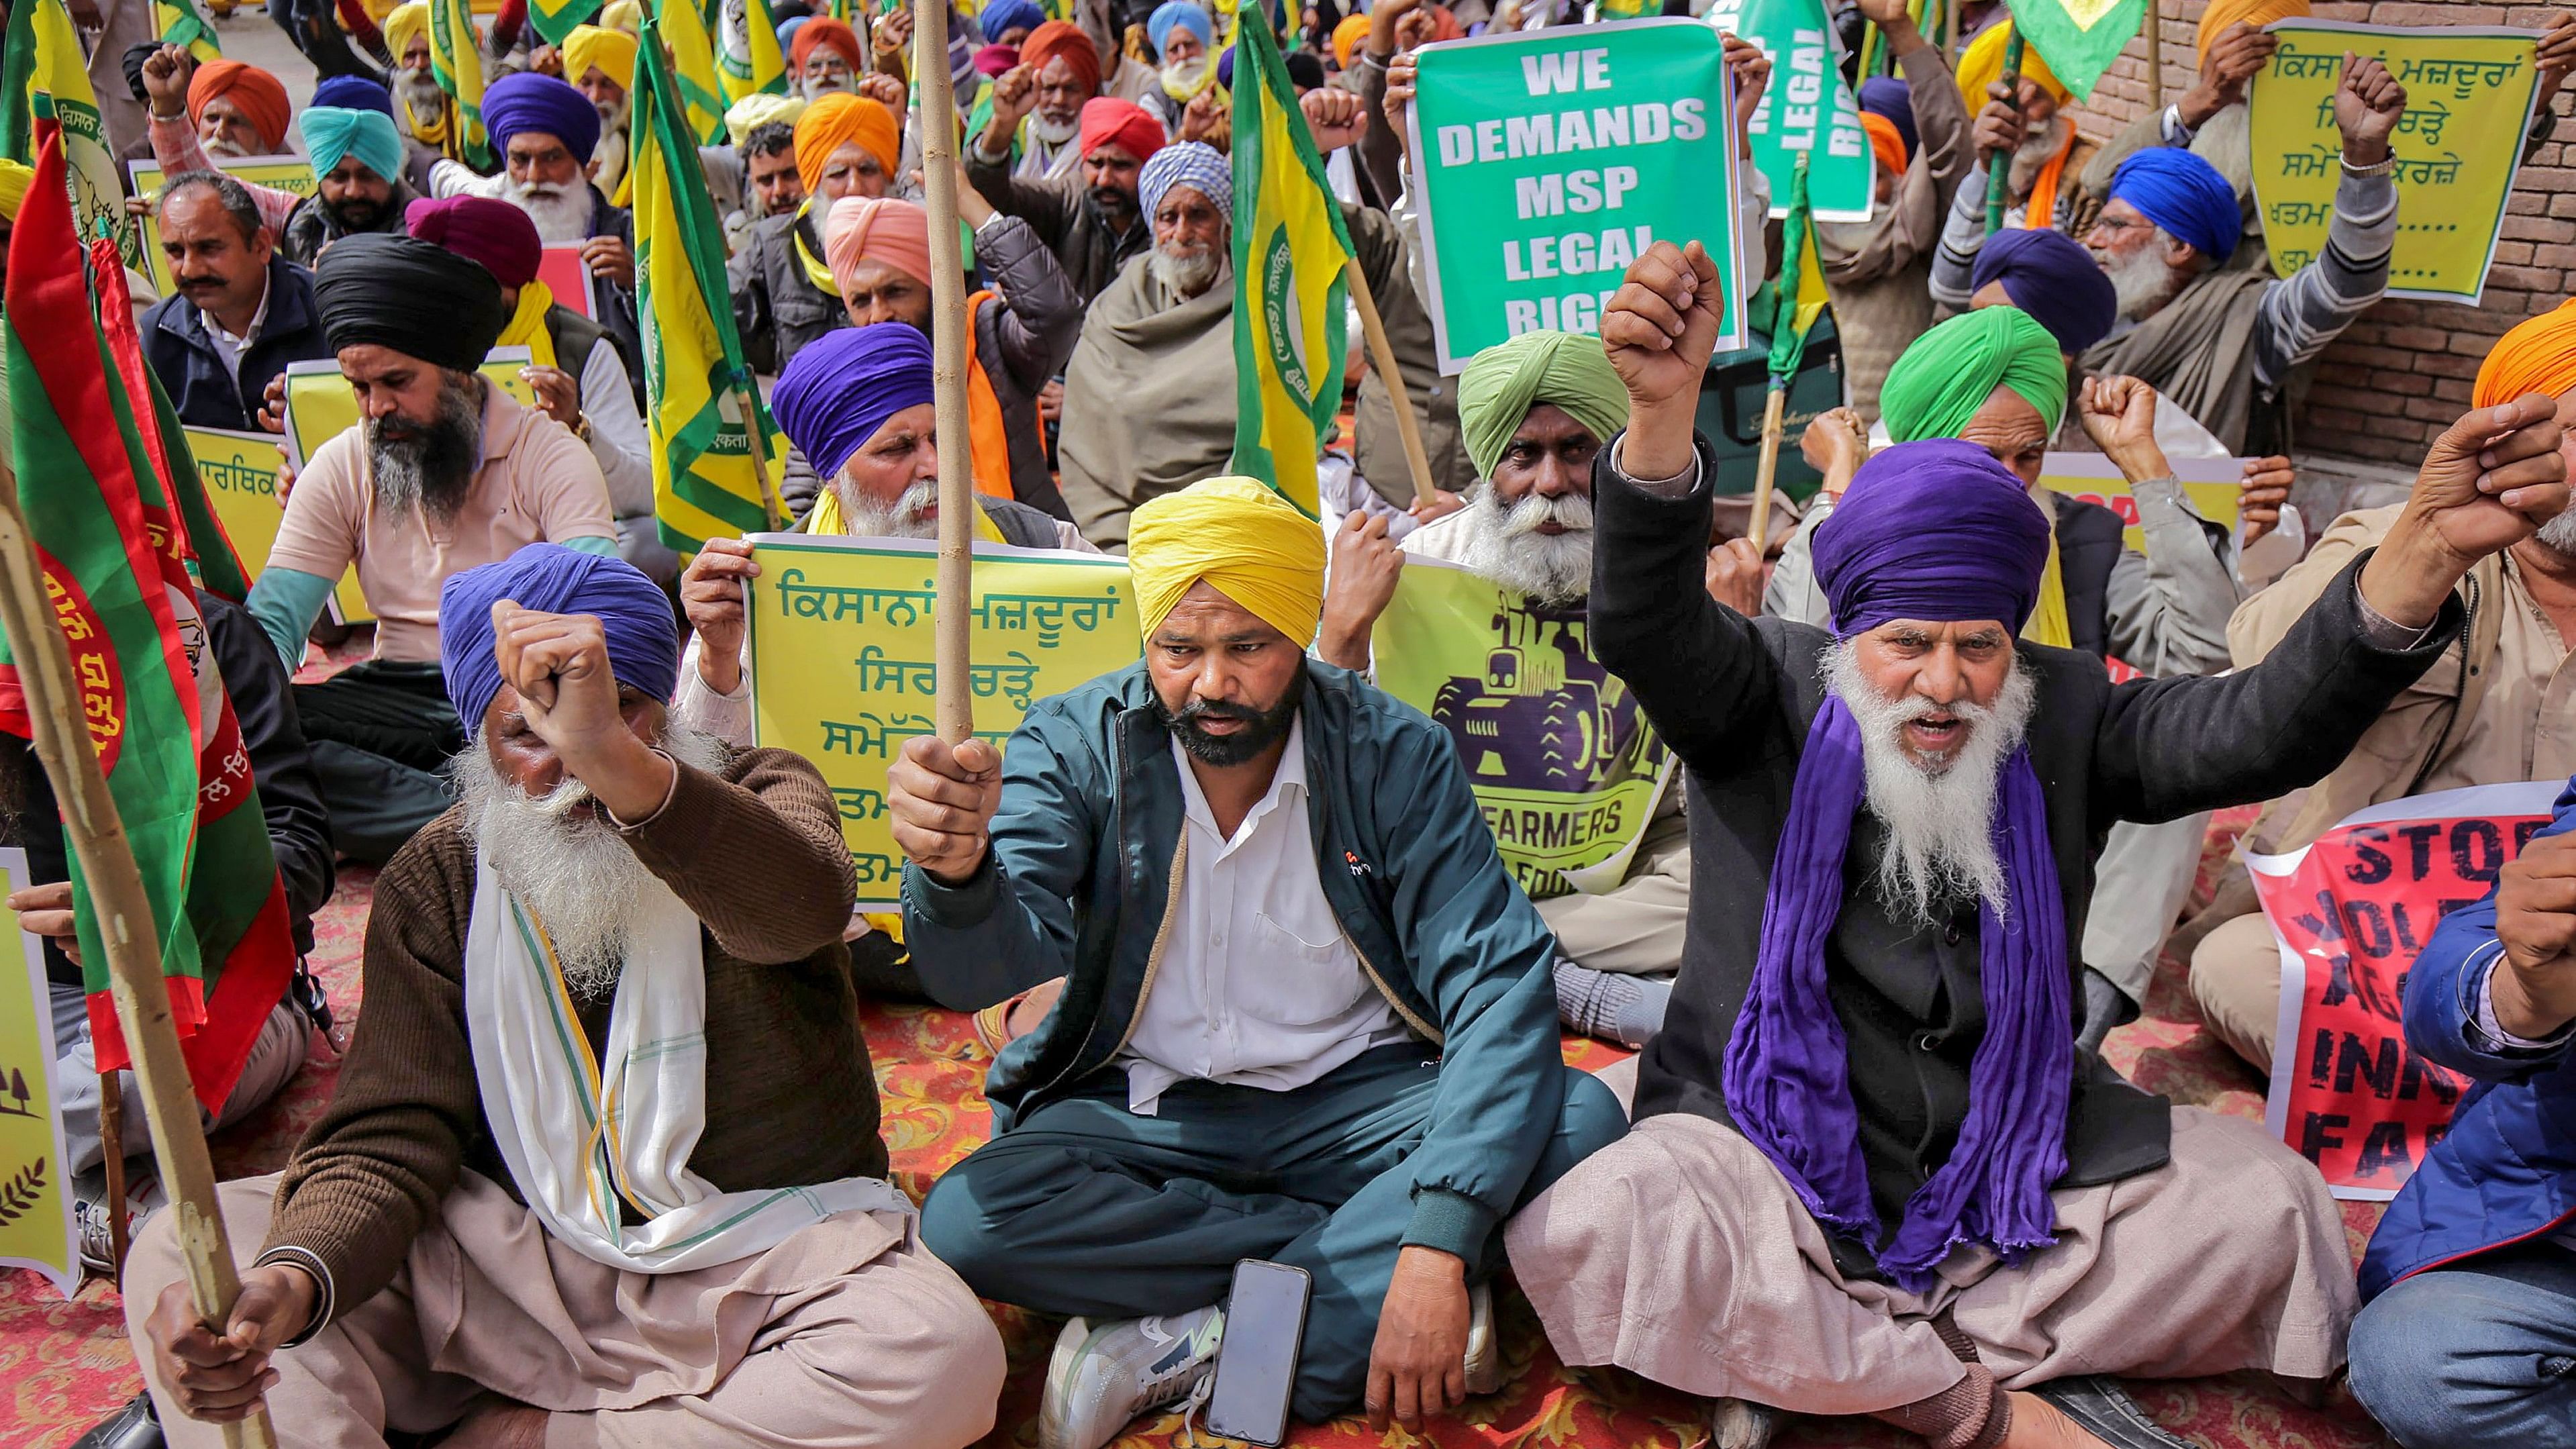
(1023, 324)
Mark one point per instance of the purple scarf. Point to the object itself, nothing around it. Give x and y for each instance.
(1788, 1081)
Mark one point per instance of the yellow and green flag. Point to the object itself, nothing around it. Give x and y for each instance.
(2078, 38)
(1797, 296)
(692, 71)
(456, 59)
(700, 403)
(44, 76)
(762, 69)
(555, 19)
(1290, 248)
(184, 23)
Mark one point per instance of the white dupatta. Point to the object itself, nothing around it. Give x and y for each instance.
(579, 1139)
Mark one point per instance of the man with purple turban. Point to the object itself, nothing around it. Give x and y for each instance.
(622, 920)
(1872, 1172)
(2213, 335)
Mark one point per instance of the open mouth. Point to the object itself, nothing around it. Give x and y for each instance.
(1935, 733)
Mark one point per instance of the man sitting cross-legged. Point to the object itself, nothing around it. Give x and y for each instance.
(1308, 1016)
(622, 920)
(1872, 1172)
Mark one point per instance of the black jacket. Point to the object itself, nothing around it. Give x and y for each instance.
(1060, 210)
(1734, 698)
(299, 830)
(192, 372)
(776, 307)
(309, 228)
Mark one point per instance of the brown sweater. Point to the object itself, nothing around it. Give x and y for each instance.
(757, 854)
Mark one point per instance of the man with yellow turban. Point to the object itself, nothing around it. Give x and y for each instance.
(423, 112)
(1534, 412)
(783, 293)
(2032, 131)
(2490, 712)
(1308, 1014)
(600, 63)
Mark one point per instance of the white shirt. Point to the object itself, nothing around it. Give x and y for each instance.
(1257, 985)
(230, 348)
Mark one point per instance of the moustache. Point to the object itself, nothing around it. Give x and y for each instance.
(1198, 709)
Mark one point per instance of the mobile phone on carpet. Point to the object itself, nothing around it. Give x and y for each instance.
(1256, 1363)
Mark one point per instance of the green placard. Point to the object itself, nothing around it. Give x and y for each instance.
(1809, 108)
(1550, 159)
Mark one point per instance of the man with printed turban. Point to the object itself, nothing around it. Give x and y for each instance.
(783, 293)
(442, 472)
(1878, 270)
(1347, 1059)
(1089, 217)
(1149, 398)
(2207, 325)
(1534, 413)
(2487, 714)
(441, 1249)
(1872, 1172)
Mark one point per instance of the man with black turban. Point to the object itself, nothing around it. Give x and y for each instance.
(442, 472)
(1872, 1172)
(622, 920)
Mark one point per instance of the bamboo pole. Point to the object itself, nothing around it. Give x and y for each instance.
(126, 933)
(1382, 355)
(111, 1135)
(1999, 167)
(1767, 464)
(953, 640)
(759, 452)
(2156, 56)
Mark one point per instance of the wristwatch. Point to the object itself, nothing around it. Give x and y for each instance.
(581, 427)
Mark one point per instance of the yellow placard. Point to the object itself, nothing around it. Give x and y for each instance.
(2468, 101)
(35, 1203)
(282, 173)
(240, 474)
(841, 673)
(1564, 765)
(320, 407)
(2210, 484)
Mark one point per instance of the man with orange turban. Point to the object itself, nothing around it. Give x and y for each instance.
(2490, 712)
(239, 109)
(826, 58)
(1034, 110)
(1021, 332)
(1327, 900)
(783, 295)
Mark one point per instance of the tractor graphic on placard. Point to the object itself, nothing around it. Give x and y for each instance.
(1545, 715)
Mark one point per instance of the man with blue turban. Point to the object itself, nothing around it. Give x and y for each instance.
(1307, 1015)
(1871, 1170)
(358, 174)
(2213, 332)
(621, 920)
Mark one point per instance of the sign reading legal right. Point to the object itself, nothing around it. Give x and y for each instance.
(1550, 160)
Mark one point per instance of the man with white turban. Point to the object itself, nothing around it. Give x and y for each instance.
(1350, 998)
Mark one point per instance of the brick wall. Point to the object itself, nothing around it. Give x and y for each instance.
(2400, 374)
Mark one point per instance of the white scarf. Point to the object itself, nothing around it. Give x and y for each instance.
(577, 1140)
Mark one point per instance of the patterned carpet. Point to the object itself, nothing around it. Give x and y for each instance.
(66, 1365)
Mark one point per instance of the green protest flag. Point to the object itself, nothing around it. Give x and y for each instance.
(1797, 296)
(555, 19)
(1809, 111)
(1550, 159)
(2078, 38)
(183, 23)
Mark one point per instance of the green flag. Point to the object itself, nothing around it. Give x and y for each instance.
(1797, 296)
(2078, 38)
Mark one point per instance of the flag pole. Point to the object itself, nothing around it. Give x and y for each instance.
(953, 640)
(759, 449)
(1999, 166)
(1768, 464)
(1382, 356)
(2156, 56)
(126, 932)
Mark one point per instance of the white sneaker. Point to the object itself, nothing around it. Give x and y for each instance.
(1101, 1378)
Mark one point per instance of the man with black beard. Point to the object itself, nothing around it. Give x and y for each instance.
(1534, 412)
(1307, 1016)
(442, 472)
(1872, 1172)
(1090, 219)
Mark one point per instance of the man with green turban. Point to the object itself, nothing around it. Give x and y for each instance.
(1533, 413)
(1995, 377)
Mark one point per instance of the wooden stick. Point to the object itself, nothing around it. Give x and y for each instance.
(1768, 464)
(1999, 166)
(954, 640)
(2156, 56)
(1382, 355)
(126, 933)
(111, 1136)
(759, 453)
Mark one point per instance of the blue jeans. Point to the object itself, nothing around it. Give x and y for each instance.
(2483, 1353)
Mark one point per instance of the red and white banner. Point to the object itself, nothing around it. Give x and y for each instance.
(2351, 912)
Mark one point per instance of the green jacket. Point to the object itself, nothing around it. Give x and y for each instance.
(1081, 877)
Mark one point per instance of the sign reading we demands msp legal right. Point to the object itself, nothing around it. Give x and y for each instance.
(1551, 159)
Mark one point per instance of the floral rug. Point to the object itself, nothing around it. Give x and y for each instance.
(66, 1365)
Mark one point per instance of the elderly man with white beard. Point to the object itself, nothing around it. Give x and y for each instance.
(1872, 1172)
(1534, 412)
(2219, 340)
(1149, 397)
(622, 917)
(598, 62)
